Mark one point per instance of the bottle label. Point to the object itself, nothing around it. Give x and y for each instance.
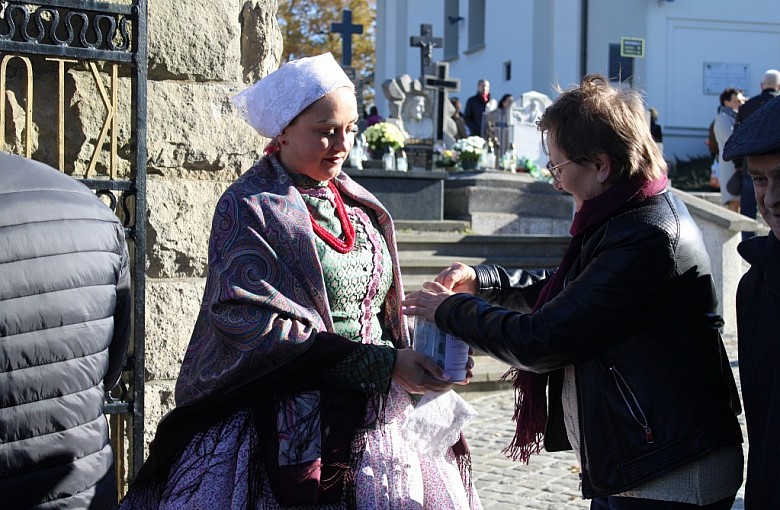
(449, 352)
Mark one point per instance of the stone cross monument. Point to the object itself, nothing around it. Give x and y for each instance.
(346, 28)
(442, 83)
(426, 42)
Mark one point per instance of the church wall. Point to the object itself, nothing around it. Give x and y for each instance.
(544, 41)
(608, 21)
(688, 34)
(507, 38)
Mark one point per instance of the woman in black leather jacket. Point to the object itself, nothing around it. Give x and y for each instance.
(623, 335)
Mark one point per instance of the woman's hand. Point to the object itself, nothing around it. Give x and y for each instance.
(425, 302)
(459, 278)
(416, 372)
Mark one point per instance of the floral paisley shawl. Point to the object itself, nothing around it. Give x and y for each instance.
(265, 296)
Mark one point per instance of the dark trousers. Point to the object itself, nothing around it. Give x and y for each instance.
(618, 503)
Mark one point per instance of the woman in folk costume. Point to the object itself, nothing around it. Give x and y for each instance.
(623, 337)
(298, 376)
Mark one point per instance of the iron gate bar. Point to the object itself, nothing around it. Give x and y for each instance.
(44, 41)
(138, 127)
(45, 20)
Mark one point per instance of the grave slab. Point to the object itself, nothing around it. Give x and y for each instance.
(413, 195)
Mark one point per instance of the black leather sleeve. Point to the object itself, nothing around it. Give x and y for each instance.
(515, 289)
(617, 291)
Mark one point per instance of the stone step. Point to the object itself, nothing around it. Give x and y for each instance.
(415, 273)
(424, 254)
(425, 248)
(452, 226)
(473, 245)
(415, 263)
(487, 374)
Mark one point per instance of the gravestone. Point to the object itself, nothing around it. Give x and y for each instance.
(411, 109)
(517, 126)
(413, 195)
(419, 156)
(528, 143)
(507, 203)
(406, 195)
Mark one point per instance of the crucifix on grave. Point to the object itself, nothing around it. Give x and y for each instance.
(426, 42)
(443, 84)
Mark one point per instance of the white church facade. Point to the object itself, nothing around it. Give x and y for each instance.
(680, 53)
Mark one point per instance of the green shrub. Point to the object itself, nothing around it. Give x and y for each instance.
(692, 174)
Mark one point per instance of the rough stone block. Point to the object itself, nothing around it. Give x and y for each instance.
(171, 309)
(196, 41)
(158, 400)
(203, 134)
(179, 222)
(261, 39)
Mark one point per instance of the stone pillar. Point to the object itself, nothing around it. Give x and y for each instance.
(722, 232)
(200, 54)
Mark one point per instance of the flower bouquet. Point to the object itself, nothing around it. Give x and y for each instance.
(468, 150)
(447, 159)
(384, 135)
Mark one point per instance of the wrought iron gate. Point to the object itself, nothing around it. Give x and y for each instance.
(102, 38)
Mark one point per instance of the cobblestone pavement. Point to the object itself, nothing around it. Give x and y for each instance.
(551, 480)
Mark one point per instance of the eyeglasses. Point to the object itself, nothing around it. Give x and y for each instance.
(555, 170)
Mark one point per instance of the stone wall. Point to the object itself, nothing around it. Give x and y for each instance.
(200, 53)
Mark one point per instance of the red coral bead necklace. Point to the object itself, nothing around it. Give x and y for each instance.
(347, 227)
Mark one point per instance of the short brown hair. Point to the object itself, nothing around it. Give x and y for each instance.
(595, 117)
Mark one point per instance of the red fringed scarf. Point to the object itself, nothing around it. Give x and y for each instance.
(530, 389)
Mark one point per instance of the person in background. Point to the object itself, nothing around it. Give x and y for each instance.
(757, 141)
(65, 316)
(298, 374)
(612, 345)
(506, 101)
(373, 117)
(475, 108)
(730, 101)
(712, 145)
(655, 128)
(770, 88)
(462, 131)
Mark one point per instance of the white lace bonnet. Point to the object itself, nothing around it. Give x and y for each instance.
(273, 102)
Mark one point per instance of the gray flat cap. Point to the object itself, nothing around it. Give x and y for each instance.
(758, 135)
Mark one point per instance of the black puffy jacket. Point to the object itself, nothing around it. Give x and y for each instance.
(758, 312)
(636, 318)
(64, 328)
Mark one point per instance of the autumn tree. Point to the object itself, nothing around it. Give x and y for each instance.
(305, 26)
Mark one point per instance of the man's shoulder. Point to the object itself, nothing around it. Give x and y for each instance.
(754, 103)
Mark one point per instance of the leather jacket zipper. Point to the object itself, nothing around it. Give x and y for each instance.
(625, 392)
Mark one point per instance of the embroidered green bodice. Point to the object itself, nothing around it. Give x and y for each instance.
(356, 282)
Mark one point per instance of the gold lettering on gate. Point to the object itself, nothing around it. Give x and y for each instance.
(61, 109)
(109, 98)
(28, 98)
(110, 120)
